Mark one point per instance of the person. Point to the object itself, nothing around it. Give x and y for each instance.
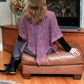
(38, 32)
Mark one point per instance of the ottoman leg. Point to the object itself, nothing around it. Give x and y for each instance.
(77, 76)
(26, 76)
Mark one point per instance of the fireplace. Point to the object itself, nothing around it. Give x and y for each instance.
(67, 13)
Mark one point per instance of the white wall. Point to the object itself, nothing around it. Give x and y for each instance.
(82, 20)
(5, 16)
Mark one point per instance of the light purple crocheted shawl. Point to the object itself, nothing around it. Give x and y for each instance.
(40, 38)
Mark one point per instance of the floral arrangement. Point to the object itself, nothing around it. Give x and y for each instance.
(17, 6)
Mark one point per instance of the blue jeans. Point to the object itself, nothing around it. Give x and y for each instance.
(17, 53)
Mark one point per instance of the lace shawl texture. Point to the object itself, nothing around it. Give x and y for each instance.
(40, 38)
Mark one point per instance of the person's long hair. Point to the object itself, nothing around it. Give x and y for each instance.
(37, 9)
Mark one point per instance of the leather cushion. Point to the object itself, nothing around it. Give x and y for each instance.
(63, 58)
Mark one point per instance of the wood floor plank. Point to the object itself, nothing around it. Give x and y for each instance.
(44, 80)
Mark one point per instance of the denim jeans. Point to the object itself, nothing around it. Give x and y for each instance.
(17, 53)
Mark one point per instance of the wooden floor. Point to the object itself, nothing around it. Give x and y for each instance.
(36, 79)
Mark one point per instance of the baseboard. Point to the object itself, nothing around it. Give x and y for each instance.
(1, 47)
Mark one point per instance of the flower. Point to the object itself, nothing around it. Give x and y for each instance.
(17, 6)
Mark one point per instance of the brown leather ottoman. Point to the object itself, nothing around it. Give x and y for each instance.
(64, 63)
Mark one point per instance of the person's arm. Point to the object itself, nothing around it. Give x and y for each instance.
(57, 34)
(64, 44)
(23, 28)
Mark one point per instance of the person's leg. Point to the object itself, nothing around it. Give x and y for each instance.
(49, 51)
(16, 52)
(30, 53)
(26, 50)
(16, 56)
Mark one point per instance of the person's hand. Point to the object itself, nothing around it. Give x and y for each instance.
(74, 51)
